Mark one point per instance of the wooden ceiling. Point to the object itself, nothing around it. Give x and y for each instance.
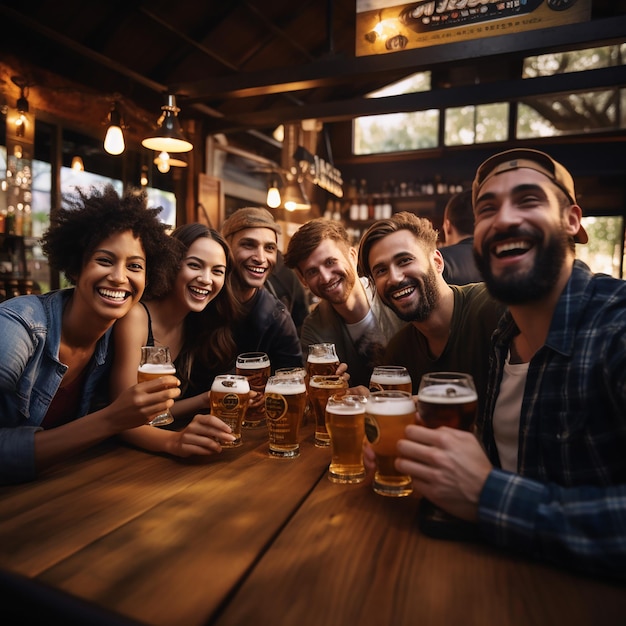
(244, 66)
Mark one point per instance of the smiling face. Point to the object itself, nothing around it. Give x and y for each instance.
(113, 277)
(330, 271)
(202, 274)
(406, 277)
(255, 252)
(523, 226)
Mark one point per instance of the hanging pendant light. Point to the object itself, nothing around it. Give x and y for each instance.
(114, 139)
(168, 137)
(273, 194)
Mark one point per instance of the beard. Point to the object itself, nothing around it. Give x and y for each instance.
(427, 302)
(518, 287)
(349, 280)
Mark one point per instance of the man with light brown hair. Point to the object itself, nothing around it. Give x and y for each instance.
(349, 313)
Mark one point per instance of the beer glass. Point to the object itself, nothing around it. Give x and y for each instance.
(322, 359)
(255, 366)
(156, 361)
(390, 377)
(285, 397)
(387, 413)
(320, 389)
(345, 420)
(446, 399)
(229, 401)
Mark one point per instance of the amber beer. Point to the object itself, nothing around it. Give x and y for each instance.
(391, 377)
(320, 389)
(322, 360)
(256, 367)
(345, 420)
(229, 401)
(387, 413)
(447, 400)
(285, 398)
(155, 362)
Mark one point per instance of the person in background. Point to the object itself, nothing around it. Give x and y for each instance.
(193, 317)
(458, 228)
(547, 474)
(449, 326)
(56, 346)
(284, 283)
(349, 313)
(266, 326)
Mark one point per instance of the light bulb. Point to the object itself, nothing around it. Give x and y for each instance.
(273, 197)
(114, 140)
(77, 164)
(163, 162)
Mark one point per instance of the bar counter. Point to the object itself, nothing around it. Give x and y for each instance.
(242, 539)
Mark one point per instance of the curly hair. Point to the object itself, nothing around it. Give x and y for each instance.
(306, 239)
(208, 335)
(88, 218)
(421, 228)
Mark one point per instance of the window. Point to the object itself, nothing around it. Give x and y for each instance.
(470, 124)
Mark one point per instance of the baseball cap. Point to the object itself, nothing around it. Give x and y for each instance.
(249, 217)
(529, 159)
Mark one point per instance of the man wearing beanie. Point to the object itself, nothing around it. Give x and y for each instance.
(267, 326)
(545, 473)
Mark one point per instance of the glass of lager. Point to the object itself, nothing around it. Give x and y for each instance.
(285, 397)
(345, 420)
(320, 389)
(255, 366)
(322, 359)
(446, 399)
(390, 377)
(229, 401)
(387, 413)
(156, 361)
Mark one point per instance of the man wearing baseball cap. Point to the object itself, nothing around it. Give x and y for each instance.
(546, 472)
(267, 326)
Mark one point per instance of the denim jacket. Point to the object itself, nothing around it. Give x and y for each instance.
(30, 374)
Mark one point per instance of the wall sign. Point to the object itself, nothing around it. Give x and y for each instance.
(384, 26)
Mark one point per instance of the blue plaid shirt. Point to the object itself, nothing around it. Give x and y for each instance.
(567, 502)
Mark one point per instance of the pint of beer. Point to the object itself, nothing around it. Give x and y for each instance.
(387, 413)
(345, 421)
(156, 361)
(229, 401)
(285, 398)
(322, 359)
(447, 399)
(320, 389)
(255, 366)
(390, 377)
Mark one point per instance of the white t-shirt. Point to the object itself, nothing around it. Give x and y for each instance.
(506, 415)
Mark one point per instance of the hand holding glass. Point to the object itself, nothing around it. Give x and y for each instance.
(320, 389)
(446, 399)
(155, 362)
(229, 401)
(255, 366)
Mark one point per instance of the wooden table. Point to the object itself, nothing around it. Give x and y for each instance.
(245, 539)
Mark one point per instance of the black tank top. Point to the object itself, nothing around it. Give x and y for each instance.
(150, 340)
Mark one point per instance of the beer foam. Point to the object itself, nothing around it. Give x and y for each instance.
(390, 407)
(253, 365)
(157, 368)
(393, 379)
(231, 384)
(342, 409)
(447, 393)
(325, 383)
(285, 388)
(322, 358)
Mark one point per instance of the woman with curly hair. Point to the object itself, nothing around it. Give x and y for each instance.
(56, 346)
(193, 316)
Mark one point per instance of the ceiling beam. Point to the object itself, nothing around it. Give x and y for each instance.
(498, 91)
(338, 70)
